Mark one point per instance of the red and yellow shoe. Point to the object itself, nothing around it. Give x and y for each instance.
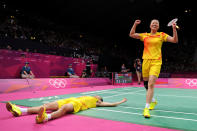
(152, 105)
(15, 110)
(42, 116)
(146, 113)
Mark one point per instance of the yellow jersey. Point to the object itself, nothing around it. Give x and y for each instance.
(153, 44)
(87, 102)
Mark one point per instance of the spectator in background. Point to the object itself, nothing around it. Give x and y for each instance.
(20, 50)
(88, 69)
(138, 68)
(35, 51)
(83, 74)
(27, 50)
(105, 72)
(26, 72)
(71, 73)
(9, 47)
(123, 69)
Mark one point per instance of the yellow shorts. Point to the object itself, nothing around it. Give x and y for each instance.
(74, 101)
(151, 67)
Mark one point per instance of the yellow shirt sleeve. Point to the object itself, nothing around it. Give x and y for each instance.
(142, 36)
(164, 36)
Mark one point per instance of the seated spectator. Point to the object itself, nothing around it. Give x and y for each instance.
(9, 47)
(71, 72)
(105, 72)
(138, 68)
(84, 74)
(26, 72)
(124, 69)
(88, 69)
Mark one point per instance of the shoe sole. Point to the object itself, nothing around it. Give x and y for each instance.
(9, 108)
(40, 113)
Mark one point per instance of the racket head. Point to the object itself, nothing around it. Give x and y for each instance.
(172, 21)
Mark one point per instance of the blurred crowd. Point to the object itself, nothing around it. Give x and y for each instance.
(179, 58)
(50, 38)
(47, 37)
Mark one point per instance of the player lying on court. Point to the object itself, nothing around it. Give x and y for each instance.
(61, 107)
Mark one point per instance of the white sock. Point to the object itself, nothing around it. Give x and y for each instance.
(153, 100)
(23, 110)
(48, 116)
(147, 105)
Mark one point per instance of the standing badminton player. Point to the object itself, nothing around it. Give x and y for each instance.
(152, 57)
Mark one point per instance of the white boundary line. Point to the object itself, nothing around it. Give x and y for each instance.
(99, 92)
(128, 88)
(186, 113)
(109, 90)
(133, 92)
(94, 92)
(170, 95)
(178, 118)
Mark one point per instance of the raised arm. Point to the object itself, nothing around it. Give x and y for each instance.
(174, 38)
(132, 32)
(110, 104)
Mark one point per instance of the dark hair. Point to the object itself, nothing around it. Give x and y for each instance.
(155, 19)
(101, 99)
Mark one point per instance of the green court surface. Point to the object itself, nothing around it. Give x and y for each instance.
(176, 109)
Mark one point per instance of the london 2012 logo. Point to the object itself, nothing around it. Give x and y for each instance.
(191, 82)
(58, 83)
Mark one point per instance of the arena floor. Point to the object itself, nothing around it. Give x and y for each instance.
(176, 110)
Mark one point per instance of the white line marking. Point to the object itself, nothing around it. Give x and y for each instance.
(178, 118)
(107, 91)
(102, 92)
(186, 113)
(169, 95)
(124, 93)
(127, 88)
(94, 92)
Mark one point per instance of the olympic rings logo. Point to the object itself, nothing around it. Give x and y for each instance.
(191, 82)
(58, 83)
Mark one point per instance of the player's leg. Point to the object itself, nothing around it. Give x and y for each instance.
(43, 116)
(146, 113)
(18, 111)
(145, 72)
(49, 106)
(146, 83)
(65, 109)
(150, 92)
(153, 75)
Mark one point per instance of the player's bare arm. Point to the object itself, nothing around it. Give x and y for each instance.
(103, 104)
(132, 33)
